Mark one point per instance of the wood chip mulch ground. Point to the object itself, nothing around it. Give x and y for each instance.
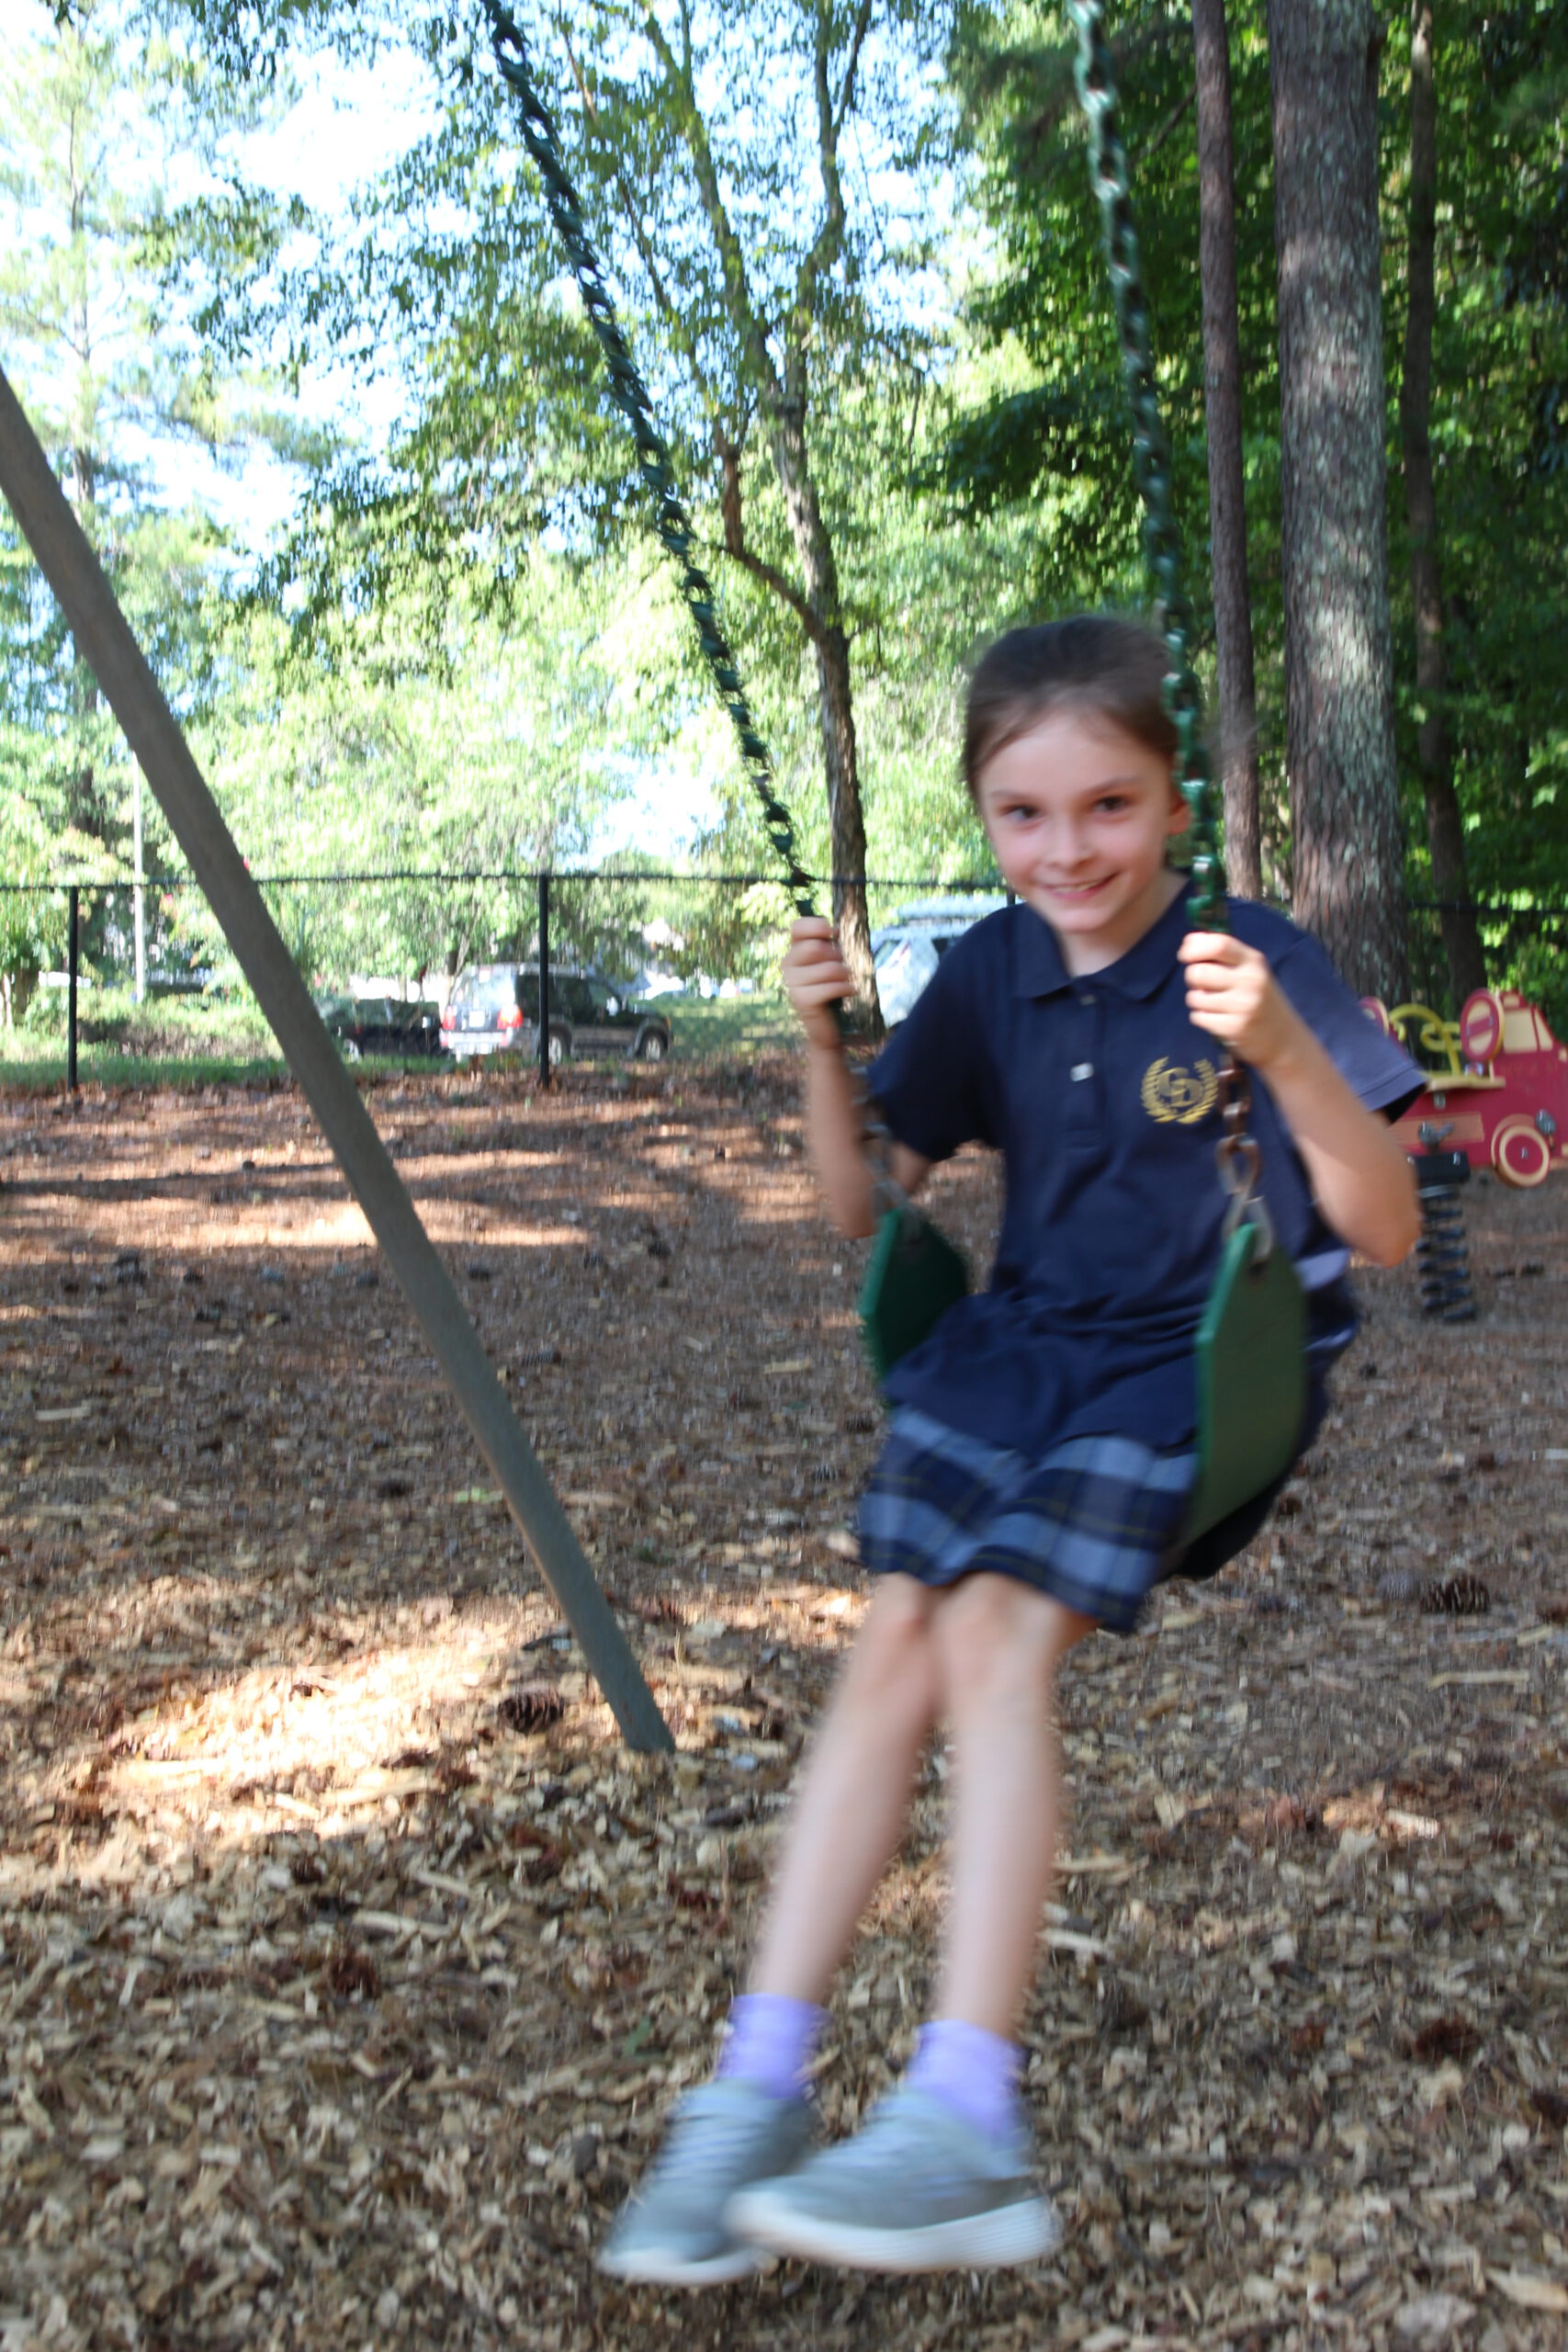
(346, 1960)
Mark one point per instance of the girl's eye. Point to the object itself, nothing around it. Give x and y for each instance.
(1112, 802)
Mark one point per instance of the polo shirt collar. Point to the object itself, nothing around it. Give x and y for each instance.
(1137, 974)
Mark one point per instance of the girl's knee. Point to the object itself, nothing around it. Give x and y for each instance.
(893, 1649)
(998, 1637)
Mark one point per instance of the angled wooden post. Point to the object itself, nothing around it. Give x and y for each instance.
(105, 640)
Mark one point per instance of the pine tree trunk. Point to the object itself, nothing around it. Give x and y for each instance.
(1445, 825)
(1347, 850)
(1227, 491)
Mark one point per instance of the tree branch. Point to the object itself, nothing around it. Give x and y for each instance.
(693, 130)
(680, 332)
(1159, 137)
(734, 545)
(784, 589)
(827, 244)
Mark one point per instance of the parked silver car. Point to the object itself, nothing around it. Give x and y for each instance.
(907, 950)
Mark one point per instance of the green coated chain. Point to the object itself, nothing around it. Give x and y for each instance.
(630, 396)
(1151, 451)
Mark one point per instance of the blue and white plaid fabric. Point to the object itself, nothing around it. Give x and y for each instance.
(1089, 1522)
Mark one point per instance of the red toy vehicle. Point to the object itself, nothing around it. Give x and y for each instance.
(1496, 1080)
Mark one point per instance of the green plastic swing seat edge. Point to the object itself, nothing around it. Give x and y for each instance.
(913, 1276)
(1250, 1355)
(1251, 1365)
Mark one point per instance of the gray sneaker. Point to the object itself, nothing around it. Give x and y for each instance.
(916, 2189)
(672, 2233)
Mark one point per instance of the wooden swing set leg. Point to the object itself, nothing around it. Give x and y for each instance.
(854, 1796)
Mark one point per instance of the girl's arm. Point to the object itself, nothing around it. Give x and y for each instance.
(817, 978)
(1361, 1180)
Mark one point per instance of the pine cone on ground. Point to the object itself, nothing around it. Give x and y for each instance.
(1460, 1596)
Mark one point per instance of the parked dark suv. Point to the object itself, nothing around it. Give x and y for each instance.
(495, 1009)
(382, 1024)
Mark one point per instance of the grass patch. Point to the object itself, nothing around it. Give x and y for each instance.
(734, 1027)
(44, 1073)
(185, 1043)
(174, 1041)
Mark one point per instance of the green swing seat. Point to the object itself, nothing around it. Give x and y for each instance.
(1249, 1355)
(1251, 1365)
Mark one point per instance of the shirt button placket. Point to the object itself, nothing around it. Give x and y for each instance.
(1085, 1117)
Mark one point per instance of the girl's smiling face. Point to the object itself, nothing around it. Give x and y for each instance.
(1080, 814)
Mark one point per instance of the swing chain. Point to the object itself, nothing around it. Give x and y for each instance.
(1239, 1157)
(630, 396)
(670, 517)
(1151, 452)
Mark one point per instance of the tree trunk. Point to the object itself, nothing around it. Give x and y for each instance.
(1445, 825)
(1227, 491)
(783, 401)
(1349, 868)
(846, 822)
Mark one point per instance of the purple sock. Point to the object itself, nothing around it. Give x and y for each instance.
(975, 2071)
(769, 2042)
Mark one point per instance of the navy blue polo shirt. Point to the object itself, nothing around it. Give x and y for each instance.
(1101, 1094)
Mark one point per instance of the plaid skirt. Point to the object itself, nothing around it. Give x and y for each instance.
(1091, 1522)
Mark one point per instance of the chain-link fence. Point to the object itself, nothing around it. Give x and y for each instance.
(106, 970)
(389, 956)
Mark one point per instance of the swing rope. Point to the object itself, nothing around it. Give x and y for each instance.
(1250, 1348)
(673, 527)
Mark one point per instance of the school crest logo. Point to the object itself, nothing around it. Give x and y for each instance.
(1185, 1096)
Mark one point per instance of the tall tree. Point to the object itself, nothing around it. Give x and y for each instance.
(1445, 820)
(91, 111)
(770, 232)
(1348, 856)
(776, 354)
(1227, 483)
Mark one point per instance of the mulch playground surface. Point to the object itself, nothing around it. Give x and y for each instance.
(347, 1961)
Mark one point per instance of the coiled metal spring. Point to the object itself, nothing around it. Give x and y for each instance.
(1442, 1254)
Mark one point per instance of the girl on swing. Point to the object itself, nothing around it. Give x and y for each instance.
(1040, 1456)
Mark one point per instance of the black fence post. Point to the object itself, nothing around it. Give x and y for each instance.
(544, 978)
(72, 966)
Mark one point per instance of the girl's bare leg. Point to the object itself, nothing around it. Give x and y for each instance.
(999, 1644)
(853, 1797)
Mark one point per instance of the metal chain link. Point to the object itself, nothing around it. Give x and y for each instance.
(630, 396)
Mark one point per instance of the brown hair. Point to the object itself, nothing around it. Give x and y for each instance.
(1097, 664)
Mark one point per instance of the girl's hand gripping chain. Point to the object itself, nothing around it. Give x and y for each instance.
(816, 979)
(1360, 1178)
(1232, 993)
